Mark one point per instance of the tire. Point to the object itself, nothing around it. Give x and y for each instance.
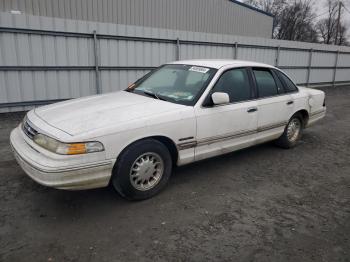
(148, 161)
(289, 141)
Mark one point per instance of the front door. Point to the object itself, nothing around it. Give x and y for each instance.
(228, 127)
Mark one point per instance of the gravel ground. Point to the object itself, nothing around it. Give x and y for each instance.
(257, 204)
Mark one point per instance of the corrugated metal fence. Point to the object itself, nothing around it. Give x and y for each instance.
(45, 59)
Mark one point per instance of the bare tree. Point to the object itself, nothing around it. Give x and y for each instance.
(327, 27)
(297, 23)
(294, 20)
(270, 6)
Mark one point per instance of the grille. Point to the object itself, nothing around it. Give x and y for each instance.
(29, 130)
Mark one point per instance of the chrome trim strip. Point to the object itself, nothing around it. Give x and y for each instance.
(28, 129)
(265, 128)
(186, 138)
(214, 139)
(187, 145)
(211, 140)
(317, 112)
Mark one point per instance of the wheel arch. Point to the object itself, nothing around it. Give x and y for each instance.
(304, 114)
(170, 144)
(166, 141)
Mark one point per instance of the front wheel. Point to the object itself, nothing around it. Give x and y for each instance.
(292, 133)
(142, 170)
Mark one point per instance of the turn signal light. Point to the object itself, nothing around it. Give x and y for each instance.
(74, 149)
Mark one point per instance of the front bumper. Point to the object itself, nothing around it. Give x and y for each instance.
(59, 173)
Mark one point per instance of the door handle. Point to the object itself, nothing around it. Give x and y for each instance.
(290, 102)
(252, 109)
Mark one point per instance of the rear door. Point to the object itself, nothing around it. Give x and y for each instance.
(274, 104)
(290, 88)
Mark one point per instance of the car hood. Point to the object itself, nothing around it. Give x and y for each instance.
(82, 115)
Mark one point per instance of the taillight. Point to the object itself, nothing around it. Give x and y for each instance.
(324, 102)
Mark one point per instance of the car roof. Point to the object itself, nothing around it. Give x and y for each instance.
(218, 63)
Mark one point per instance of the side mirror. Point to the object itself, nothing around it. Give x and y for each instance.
(220, 98)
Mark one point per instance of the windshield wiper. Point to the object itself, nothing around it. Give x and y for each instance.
(155, 95)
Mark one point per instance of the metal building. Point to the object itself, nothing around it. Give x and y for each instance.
(210, 16)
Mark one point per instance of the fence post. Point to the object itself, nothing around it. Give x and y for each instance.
(97, 61)
(236, 50)
(309, 67)
(277, 55)
(177, 49)
(335, 68)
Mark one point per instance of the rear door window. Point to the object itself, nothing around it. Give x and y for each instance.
(288, 84)
(265, 83)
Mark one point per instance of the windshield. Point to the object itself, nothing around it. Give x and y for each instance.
(182, 84)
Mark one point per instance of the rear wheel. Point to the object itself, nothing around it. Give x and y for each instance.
(292, 132)
(142, 170)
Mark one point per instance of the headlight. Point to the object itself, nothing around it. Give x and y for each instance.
(58, 147)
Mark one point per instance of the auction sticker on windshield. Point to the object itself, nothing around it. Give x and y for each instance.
(199, 69)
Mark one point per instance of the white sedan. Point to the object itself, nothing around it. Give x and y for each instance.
(181, 112)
